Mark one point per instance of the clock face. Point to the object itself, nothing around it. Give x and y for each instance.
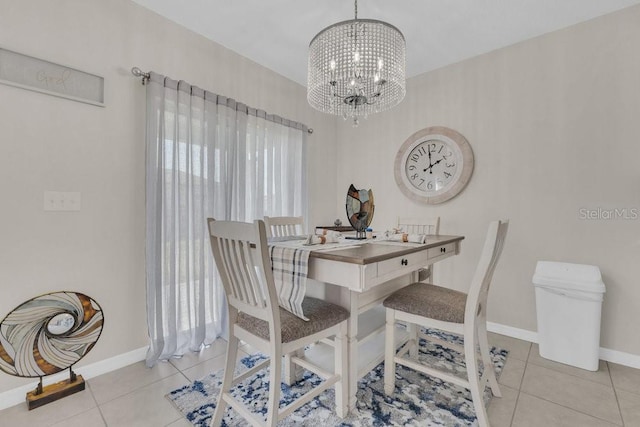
(434, 165)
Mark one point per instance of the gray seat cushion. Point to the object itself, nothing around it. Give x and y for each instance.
(321, 315)
(431, 301)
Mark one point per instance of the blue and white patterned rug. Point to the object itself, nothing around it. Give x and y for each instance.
(419, 400)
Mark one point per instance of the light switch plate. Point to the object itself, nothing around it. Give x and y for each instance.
(61, 201)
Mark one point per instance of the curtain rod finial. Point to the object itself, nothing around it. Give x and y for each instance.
(139, 73)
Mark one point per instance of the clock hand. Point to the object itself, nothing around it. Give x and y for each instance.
(430, 168)
(430, 164)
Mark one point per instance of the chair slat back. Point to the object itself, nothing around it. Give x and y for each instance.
(493, 245)
(282, 226)
(242, 258)
(420, 225)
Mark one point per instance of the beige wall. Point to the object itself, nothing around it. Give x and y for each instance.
(49, 143)
(554, 123)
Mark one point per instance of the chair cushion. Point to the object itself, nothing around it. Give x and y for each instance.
(321, 315)
(431, 301)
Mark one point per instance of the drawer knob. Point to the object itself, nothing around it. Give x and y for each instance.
(404, 261)
(443, 249)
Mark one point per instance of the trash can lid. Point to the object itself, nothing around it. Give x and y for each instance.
(562, 275)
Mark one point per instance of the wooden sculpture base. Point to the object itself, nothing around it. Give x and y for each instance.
(53, 392)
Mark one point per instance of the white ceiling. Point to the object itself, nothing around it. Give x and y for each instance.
(276, 33)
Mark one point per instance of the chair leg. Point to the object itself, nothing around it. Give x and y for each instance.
(275, 367)
(352, 343)
(414, 342)
(476, 389)
(429, 278)
(341, 364)
(487, 364)
(292, 372)
(230, 364)
(390, 353)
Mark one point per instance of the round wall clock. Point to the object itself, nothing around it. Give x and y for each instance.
(433, 165)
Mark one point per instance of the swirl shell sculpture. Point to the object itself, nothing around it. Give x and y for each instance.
(49, 334)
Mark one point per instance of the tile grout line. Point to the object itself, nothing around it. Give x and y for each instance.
(573, 409)
(568, 407)
(181, 371)
(93, 397)
(178, 372)
(104, 420)
(515, 407)
(568, 373)
(141, 387)
(615, 393)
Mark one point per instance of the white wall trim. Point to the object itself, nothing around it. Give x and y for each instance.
(619, 357)
(615, 356)
(18, 395)
(510, 331)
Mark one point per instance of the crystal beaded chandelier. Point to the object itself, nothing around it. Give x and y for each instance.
(356, 68)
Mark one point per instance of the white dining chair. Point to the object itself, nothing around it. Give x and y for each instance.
(242, 259)
(421, 226)
(283, 226)
(436, 307)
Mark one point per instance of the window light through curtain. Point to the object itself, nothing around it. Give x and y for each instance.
(207, 156)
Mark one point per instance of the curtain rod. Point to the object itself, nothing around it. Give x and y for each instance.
(146, 76)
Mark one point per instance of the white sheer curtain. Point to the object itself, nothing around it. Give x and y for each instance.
(207, 156)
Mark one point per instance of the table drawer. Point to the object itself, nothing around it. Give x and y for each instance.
(441, 251)
(403, 264)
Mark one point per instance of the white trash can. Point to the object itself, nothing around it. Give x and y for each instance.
(569, 307)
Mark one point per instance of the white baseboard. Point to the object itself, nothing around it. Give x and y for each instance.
(510, 331)
(18, 395)
(619, 357)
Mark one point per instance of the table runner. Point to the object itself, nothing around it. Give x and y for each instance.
(290, 267)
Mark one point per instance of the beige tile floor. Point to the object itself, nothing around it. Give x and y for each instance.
(535, 392)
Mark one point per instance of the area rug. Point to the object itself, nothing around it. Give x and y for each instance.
(419, 400)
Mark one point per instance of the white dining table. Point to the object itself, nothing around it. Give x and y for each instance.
(359, 277)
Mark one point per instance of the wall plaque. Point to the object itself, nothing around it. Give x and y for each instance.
(35, 74)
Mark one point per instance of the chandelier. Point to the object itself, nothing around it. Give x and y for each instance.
(356, 68)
